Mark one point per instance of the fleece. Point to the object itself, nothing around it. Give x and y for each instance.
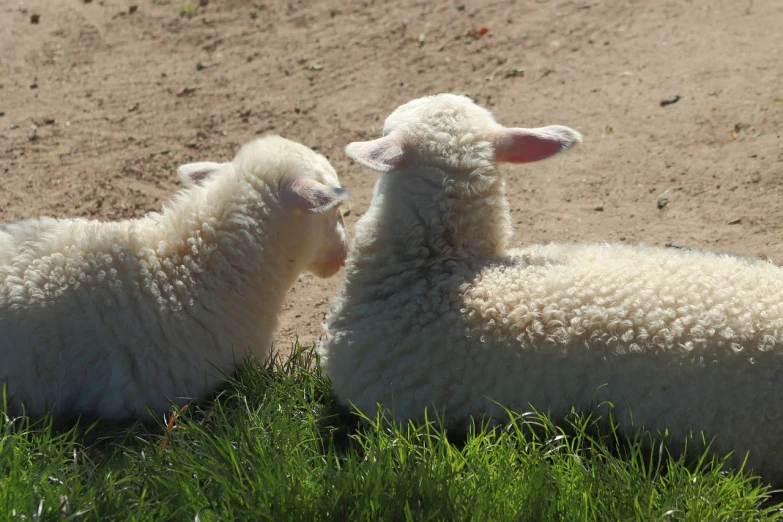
(437, 312)
(122, 319)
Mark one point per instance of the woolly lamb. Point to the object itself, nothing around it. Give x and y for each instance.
(118, 319)
(435, 311)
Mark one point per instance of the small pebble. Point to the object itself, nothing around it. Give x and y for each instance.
(34, 19)
(670, 100)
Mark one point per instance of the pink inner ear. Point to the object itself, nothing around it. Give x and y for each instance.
(526, 145)
(312, 197)
(309, 194)
(198, 176)
(383, 154)
(197, 173)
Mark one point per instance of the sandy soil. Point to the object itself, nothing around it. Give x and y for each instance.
(100, 101)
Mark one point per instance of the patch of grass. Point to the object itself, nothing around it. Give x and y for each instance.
(186, 9)
(273, 445)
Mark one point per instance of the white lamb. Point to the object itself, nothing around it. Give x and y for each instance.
(435, 312)
(115, 319)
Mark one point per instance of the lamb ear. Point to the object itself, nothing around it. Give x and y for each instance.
(197, 173)
(518, 145)
(383, 154)
(310, 196)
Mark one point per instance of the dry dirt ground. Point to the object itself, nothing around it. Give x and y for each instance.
(100, 101)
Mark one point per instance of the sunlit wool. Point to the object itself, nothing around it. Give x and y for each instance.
(436, 312)
(115, 318)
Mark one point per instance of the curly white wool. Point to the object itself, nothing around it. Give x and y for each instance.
(436, 312)
(117, 318)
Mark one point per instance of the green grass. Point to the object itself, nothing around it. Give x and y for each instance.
(274, 446)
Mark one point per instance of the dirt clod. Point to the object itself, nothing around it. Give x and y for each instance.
(670, 100)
